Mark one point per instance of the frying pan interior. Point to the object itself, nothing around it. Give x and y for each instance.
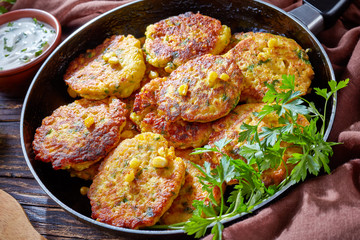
(48, 90)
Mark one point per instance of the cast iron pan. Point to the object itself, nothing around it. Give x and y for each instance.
(48, 91)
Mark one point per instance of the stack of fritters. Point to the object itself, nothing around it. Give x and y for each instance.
(197, 84)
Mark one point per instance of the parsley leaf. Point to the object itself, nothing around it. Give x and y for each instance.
(262, 148)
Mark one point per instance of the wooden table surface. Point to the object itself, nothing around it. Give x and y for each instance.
(16, 179)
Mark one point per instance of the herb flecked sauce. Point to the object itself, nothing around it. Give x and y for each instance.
(23, 40)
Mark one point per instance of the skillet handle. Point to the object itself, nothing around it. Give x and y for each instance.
(320, 14)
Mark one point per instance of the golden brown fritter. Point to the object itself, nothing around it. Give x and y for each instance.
(180, 134)
(265, 57)
(114, 68)
(137, 182)
(202, 90)
(229, 127)
(79, 134)
(173, 41)
(181, 210)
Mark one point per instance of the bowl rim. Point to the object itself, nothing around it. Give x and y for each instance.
(32, 13)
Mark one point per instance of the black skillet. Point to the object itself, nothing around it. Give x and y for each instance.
(48, 90)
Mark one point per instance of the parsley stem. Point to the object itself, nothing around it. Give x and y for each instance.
(318, 114)
(222, 201)
(323, 118)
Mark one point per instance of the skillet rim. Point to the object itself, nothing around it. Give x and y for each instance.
(146, 232)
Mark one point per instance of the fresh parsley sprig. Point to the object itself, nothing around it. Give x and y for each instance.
(249, 192)
(334, 87)
(210, 179)
(264, 148)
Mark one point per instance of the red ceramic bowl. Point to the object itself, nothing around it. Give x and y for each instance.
(15, 81)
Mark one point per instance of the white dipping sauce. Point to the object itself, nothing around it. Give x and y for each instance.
(23, 40)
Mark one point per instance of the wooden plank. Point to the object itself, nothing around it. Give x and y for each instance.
(56, 222)
(26, 191)
(14, 167)
(12, 161)
(10, 108)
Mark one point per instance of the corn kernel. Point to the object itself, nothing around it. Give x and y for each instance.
(89, 121)
(213, 75)
(162, 151)
(153, 74)
(183, 89)
(169, 67)
(72, 93)
(272, 42)
(136, 118)
(159, 162)
(129, 177)
(127, 134)
(108, 55)
(134, 163)
(84, 190)
(262, 56)
(212, 78)
(113, 60)
(224, 77)
(282, 64)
